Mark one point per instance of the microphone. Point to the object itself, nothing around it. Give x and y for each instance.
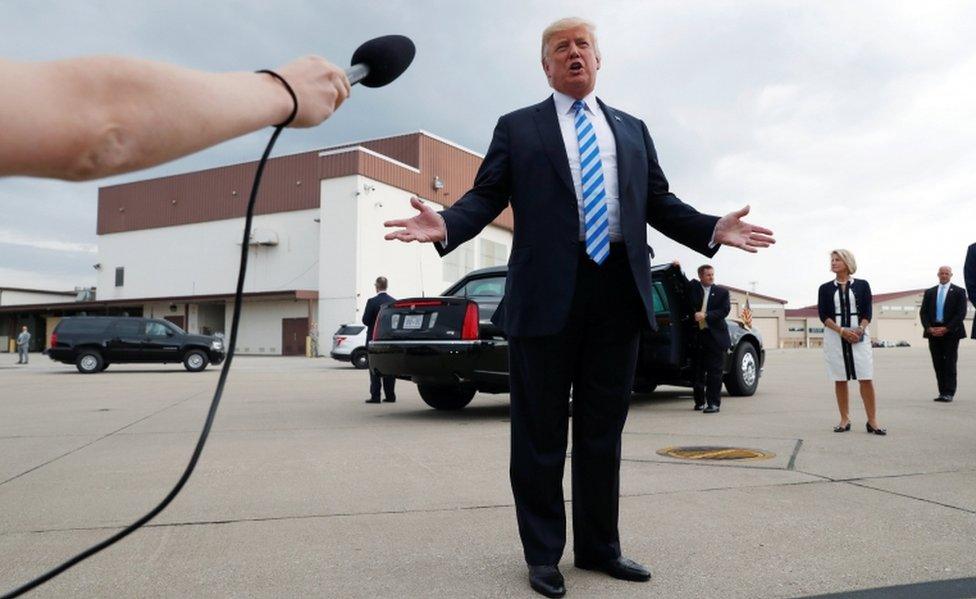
(381, 60)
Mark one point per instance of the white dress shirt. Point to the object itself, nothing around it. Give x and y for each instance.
(608, 157)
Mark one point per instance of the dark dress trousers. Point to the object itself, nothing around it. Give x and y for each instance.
(969, 276)
(945, 349)
(570, 322)
(711, 343)
(373, 306)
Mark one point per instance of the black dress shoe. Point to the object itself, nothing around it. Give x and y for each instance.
(699, 406)
(875, 431)
(942, 398)
(710, 410)
(947, 397)
(621, 568)
(373, 400)
(388, 400)
(547, 581)
(843, 429)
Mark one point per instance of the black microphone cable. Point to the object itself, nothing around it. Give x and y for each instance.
(238, 294)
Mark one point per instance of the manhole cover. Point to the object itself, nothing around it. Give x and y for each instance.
(715, 453)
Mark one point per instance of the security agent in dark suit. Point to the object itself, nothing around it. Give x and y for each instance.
(373, 306)
(942, 314)
(969, 276)
(583, 182)
(710, 305)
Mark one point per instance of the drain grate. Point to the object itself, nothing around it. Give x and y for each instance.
(715, 453)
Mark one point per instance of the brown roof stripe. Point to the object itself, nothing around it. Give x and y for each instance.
(290, 183)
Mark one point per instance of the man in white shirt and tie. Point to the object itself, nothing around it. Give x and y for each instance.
(942, 314)
(583, 182)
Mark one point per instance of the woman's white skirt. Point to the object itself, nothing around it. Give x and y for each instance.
(854, 364)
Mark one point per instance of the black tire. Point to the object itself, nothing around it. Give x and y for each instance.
(105, 365)
(195, 360)
(644, 387)
(360, 359)
(453, 397)
(89, 361)
(743, 377)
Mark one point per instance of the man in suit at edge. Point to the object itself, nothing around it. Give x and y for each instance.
(583, 182)
(373, 306)
(710, 304)
(969, 277)
(943, 312)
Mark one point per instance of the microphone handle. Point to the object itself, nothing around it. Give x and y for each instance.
(357, 73)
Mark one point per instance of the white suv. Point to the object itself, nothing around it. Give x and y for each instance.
(349, 345)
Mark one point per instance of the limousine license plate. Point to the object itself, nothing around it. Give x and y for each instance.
(413, 322)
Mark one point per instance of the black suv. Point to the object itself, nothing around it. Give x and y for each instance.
(93, 342)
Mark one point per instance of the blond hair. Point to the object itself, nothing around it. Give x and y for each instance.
(564, 25)
(847, 258)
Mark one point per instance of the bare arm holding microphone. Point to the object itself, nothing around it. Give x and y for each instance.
(86, 118)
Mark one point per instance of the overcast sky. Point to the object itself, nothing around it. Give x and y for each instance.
(843, 124)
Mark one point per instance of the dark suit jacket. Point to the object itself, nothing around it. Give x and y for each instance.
(526, 166)
(953, 312)
(969, 275)
(718, 308)
(373, 306)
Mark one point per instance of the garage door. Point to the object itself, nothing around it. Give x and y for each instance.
(900, 329)
(769, 329)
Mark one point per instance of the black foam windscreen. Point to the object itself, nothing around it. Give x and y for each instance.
(387, 58)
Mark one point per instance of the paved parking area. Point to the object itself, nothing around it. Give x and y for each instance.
(304, 490)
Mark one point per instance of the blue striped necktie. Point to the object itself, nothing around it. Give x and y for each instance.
(596, 221)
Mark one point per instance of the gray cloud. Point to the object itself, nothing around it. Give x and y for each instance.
(842, 124)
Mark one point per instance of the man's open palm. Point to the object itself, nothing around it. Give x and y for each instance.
(732, 230)
(426, 227)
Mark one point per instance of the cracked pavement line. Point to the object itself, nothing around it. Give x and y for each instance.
(103, 437)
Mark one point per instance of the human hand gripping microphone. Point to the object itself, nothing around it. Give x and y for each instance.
(374, 64)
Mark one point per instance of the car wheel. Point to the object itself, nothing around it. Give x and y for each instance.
(743, 379)
(89, 361)
(195, 360)
(453, 397)
(360, 359)
(105, 365)
(644, 387)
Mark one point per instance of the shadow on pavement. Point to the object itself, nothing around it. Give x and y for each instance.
(957, 588)
(473, 412)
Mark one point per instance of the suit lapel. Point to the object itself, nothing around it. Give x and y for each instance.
(623, 145)
(552, 141)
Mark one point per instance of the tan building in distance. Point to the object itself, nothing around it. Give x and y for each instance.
(895, 320)
(768, 314)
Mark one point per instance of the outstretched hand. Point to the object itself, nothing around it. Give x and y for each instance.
(732, 230)
(426, 227)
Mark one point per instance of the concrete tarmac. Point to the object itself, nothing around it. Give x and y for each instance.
(305, 491)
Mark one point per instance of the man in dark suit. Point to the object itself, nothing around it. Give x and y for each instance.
(583, 182)
(373, 306)
(969, 276)
(942, 314)
(710, 305)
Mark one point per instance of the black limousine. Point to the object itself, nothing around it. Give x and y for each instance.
(449, 347)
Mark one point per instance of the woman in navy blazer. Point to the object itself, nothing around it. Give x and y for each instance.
(845, 309)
